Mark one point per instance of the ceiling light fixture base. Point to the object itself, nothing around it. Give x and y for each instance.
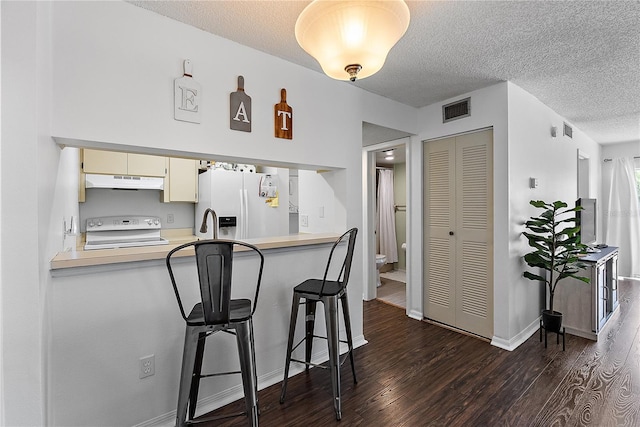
(353, 70)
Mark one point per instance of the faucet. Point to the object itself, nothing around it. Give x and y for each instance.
(203, 227)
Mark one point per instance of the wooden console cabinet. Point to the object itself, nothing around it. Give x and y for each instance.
(586, 307)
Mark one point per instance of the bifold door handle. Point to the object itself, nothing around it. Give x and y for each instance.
(451, 233)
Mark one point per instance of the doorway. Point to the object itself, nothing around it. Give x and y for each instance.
(375, 140)
(584, 177)
(391, 225)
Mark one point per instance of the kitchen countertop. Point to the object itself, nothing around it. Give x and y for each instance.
(82, 258)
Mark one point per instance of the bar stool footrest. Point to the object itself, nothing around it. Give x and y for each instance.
(215, 418)
(219, 374)
(343, 358)
(315, 365)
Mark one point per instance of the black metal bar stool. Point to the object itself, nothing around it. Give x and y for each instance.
(328, 292)
(216, 312)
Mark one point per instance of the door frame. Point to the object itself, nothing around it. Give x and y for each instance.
(423, 218)
(369, 199)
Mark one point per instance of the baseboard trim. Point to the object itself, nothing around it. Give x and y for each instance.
(215, 401)
(520, 338)
(415, 314)
(584, 334)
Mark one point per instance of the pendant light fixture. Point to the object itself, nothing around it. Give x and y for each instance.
(351, 39)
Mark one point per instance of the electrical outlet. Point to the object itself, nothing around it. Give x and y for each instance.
(169, 218)
(147, 366)
(304, 220)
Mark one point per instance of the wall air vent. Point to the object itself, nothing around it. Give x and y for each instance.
(568, 130)
(456, 110)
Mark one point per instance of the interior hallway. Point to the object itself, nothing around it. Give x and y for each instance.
(416, 374)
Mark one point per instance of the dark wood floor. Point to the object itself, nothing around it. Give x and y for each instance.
(415, 374)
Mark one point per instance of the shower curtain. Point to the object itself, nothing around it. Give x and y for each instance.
(622, 217)
(386, 216)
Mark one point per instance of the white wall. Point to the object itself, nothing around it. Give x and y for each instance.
(554, 161)
(522, 148)
(122, 92)
(26, 207)
(111, 68)
(104, 201)
(625, 149)
(130, 311)
(317, 202)
(489, 109)
(2, 417)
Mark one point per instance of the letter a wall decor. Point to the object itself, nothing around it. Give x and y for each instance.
(187, 95)
(283, 117)
(240, 108)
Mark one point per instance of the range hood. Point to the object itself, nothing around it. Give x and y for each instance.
(125, 182)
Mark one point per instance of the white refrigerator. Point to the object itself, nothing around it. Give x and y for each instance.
(236, 199)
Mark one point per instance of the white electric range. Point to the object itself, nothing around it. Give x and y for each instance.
(123, 231)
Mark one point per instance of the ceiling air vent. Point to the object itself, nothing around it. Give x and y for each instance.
(568, 130)
(456, 110)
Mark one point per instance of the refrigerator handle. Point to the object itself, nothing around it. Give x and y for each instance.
(245, 215)
(240, 223)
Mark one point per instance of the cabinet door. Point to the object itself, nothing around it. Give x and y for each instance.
(601, 281)
(183, 180)
(104, 162)
(146, 165)
(612, 280)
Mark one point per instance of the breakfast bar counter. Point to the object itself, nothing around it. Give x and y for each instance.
(82, 258)
(108, 308)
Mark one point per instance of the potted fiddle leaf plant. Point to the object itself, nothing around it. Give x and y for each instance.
(554, 237)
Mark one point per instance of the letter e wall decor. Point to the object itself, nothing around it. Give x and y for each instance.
(187, 95)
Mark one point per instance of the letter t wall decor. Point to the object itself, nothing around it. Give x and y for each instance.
(240, 109)
(283, 117)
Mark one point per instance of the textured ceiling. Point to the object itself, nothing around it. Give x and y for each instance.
(580, 58)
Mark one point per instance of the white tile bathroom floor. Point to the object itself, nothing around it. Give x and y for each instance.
(397, 275)
(393, 289)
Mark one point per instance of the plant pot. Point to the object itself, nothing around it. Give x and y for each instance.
(551, 320)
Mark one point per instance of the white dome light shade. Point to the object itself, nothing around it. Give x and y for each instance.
(351, 34)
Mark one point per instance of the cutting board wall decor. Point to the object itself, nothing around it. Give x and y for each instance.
(283, 117)
(240, 108)
(187, 95)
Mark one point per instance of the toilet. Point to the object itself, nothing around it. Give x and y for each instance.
(380, 261)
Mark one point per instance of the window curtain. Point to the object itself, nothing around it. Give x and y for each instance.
(386, 216)
(622, 217)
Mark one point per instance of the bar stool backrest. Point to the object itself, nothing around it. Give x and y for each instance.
(345, 270)
(214, 261)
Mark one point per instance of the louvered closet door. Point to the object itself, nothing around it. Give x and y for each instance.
(458, 204)
(439, 211)
(474, 233)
